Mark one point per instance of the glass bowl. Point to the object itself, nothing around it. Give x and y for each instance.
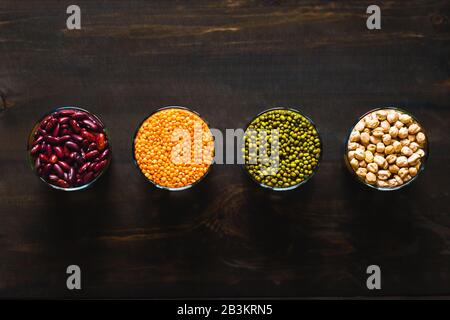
(32, 160)
(423, 159)
(319, 159)
(153, 182)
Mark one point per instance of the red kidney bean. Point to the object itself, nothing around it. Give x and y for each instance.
(35, 149)
(92, 146)
(86, 135)
(51, 124)
(65, 138)
(79, 115)
(66, 112)
(90, 125)
(76, 137)
(85, 144)
(100, 165)
(43, 158)
(72, 146)
(104, 155)
(51, 140)
(64, 131)
(84, 167)
(59, 172)
(59, 152)
(53, 178)
(53, 159)
(38, 140)
(62, 183)
(64, 165)
(43, 147)
(101, 141)
(55, 131)
(91, 154)
(88, 177)
(64, 120)
(48, 150)
(80, 160)
(79, 181)
(71, 176)
(67, 151)
(75, 127)
(46, 170)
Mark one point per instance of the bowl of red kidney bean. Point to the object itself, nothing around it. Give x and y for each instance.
(69, 149)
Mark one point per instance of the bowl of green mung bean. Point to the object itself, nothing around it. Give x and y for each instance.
(282, 149)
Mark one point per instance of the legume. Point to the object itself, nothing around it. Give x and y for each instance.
(174, 148)
(393, 145)
(282, 148)
(61, 156)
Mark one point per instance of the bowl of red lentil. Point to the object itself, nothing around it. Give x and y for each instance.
(167, 149)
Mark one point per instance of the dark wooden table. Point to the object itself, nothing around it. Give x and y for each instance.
(228, 60)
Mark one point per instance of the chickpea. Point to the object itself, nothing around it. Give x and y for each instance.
(371, 178)
(403, 133)
(413, 128)
(365, 138)
(381, 114)
(362, 164)
(382, 184)
(399, 125)
(354, 163)
(405, 118)
(374, 139)
(351, 155)
(393, 131)
(405, 142)
(359, 154)
(421, 153)
(413, 159)
(384, 174)
(420, 137)
(397, 146)
(387, 139)
(372, 167)
(389, 149)
(393, 168)
(368, 156)
(378, 132)
(392, 116)
(361, 172)
(414, 146)
(385, 126)
(380, 147)
(399, 180)
(391, 158)
(379, 160)
(372, 148)
(411, 138)
(406, 151)
(393, 183)
(360, 125)
(403, 172)
(401, 161)
(412, 171)
(352, 145)
(354, 136)
(407, 178)
(372, 123)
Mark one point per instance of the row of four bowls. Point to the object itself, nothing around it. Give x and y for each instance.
(69, 148)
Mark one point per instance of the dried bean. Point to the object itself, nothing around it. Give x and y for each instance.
(72, 146)
(59, 172)
(58, 151)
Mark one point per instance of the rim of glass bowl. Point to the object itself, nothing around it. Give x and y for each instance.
(318, 160)
(134, 154)
(423, 160)
(30, 141)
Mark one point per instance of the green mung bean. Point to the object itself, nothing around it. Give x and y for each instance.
(281, 148)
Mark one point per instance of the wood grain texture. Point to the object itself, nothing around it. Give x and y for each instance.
(228, 60)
